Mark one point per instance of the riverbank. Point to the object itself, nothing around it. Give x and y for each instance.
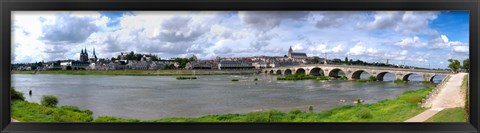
(391, 110)
(449, 105)
(139, 72)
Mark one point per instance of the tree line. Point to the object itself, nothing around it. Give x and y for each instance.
(456, 66)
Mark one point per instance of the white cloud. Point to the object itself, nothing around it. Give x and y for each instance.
(298, 47)
(444, 38)
(266, 20)
(442, 42)
(405, 22)
(410, 42)
(461, 49)
(360, 49)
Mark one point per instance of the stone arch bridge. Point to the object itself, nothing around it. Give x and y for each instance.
(354, 72)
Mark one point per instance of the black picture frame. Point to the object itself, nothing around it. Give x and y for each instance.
(7, 6)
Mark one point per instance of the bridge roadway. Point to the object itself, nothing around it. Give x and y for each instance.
(354, 72)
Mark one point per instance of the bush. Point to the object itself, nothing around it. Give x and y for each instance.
(310, 108)
(76, 109)
(69, 116)
(414, 99)
(399, 81)
(234, 79)
(372, 78)
(343, 78)
(257, 117)
(49, 101)
(16, 95)
(227, 117)
(295, 112)
(114, 119)
(255, 79)
(364, 113)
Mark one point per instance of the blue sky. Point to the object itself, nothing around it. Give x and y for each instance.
(419, 38)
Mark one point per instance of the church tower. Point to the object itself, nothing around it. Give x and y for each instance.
(94, 55)
(86, 55)
(290, 52)
(81, 55)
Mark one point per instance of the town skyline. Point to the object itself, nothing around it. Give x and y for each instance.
(414, 37)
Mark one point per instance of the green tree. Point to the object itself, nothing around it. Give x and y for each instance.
(16, 95)
(138, 57)
(168, 67)
(154, 58)
(466, 64)
(454, 65)
(346, 61)
(50, 101)
(316, 60)
(33, 67)
(182, 62)
(130, 56)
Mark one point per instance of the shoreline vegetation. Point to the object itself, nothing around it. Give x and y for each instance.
(369, 79)
(398, 109)
(185, 78)
(139, 72)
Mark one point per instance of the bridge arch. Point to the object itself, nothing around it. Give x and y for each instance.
(300, 71)
(381, 75)
(441, 76)
(356, 74)
(406, 76)
(316, 71)
(335, 72)
(433, 76)
(271, 72)
(278, 72)
(266, 71)
(287, 72)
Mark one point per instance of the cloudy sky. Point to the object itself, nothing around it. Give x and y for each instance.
(417, 38)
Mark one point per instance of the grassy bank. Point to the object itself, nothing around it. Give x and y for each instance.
(465, 91)
(32, 112)
(138, 72)
(449, 115)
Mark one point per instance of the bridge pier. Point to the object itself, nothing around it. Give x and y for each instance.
(428, 77)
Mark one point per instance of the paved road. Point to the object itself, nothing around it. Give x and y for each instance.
(449, 96)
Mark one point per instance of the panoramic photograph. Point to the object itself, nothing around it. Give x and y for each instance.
(239, 66)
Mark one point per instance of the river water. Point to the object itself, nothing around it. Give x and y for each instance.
(154, 97)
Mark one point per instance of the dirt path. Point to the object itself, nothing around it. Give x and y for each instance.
(449, 96)
(13, 120)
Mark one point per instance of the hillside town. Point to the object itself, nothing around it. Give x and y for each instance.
(142, 61)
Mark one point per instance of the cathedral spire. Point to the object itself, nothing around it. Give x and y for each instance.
(94, 55)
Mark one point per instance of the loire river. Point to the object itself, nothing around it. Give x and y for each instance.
(155, 97)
